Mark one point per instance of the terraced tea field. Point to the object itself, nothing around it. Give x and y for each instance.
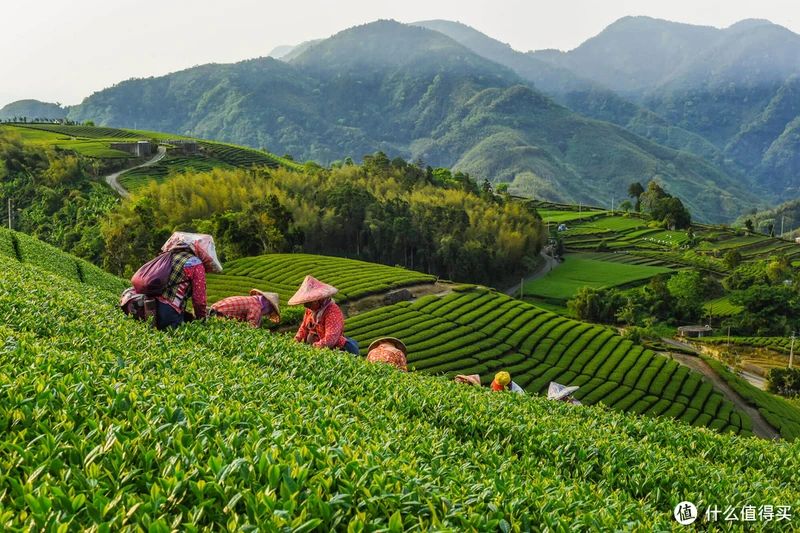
(484, 332)
(94, 142)
(112, 425)
(31, 251)
(563, 282)
(722, 307)
(283, 273)
(779, 344)
(139, 177)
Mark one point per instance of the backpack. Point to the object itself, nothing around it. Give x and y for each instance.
(152, 278)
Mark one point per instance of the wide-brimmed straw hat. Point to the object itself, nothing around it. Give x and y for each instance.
(312, 290)
(557, 391)
(397, 344)
(274, 299)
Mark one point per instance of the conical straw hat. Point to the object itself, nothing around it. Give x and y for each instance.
(273, 298)
(312, 290)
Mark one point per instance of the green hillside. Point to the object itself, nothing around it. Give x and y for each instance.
(484, 332)
(32, 109)
(31, 251)
(283, 273)
(581, 94)
(734, 88)
(95, 142)
(416, 93)
(113, 424)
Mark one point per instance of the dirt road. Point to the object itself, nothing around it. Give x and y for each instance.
(549, 264)
(111, 179)
(760, 426)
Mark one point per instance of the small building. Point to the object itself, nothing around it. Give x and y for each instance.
(139, 149)
(188, 147)
(695, 331)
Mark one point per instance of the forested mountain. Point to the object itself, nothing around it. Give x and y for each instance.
(289, 52)
(416, 93)
(588, 97)
(737, 87)
(31, 109)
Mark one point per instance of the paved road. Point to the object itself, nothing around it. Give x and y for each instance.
(549, 264)
(111, 179)
(761, 427)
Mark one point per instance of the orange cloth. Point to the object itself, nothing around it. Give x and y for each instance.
(388, 353)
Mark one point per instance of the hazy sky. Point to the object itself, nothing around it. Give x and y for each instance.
(64, 50)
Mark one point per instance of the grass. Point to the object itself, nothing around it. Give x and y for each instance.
(222, 427)
(563, 282)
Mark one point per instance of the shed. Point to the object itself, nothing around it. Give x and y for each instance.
(695, 331)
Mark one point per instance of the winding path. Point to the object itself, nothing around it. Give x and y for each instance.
(111, 179)
(549, 264)
(761, 427)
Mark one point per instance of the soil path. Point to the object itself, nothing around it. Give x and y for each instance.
(761, 428)
(549, 264)
(111, 179)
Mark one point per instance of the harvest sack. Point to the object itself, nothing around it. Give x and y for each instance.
(200, 244)
(138, 306)
(132, 303)
(152, 278)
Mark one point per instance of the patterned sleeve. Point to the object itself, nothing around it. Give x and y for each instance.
(197, 274)
(303, 331)
(254, 313)
(334, 325)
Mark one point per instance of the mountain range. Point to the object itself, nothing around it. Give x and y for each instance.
(711, 114)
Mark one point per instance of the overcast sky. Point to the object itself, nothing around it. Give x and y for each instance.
(64, 50)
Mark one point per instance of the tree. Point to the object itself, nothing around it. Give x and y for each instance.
(688, 288)
(635, 191)
(596, 305)
(626, 205)
(89, 123)
(749, 225)
(733, 259)
(502, 188)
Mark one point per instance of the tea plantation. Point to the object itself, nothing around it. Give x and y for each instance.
(110, 425)
(94, 142)
(483, 332)
(283, 273)
(32, 251)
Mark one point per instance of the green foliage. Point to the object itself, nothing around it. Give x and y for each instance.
(388, 214)
(565, 281)
(437, 100)
(283, 273)
(784, 381)
(244, 391)
(782, 415)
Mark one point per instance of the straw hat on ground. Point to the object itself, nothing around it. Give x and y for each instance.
(312, 290)
(273, 298)
(396, 342)
(557, 391)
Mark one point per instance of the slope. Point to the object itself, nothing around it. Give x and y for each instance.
(635, 54)
(417, 93)
(582, 95)
(218, 424)
(32, 109)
